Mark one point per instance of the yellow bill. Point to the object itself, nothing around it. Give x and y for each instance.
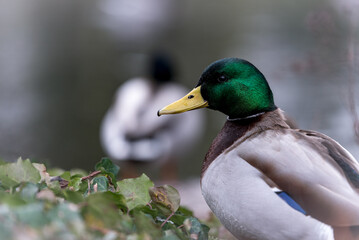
(193, 100)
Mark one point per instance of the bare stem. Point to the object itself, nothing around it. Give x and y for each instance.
(167, 219)
(88, 186)
(91, 175)
(149, 204)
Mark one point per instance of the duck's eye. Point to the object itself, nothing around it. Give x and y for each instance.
(222, 78)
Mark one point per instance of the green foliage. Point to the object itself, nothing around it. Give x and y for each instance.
(166, 198)
(35, 204)
(14, 173)
(135, 190)
(106, 165)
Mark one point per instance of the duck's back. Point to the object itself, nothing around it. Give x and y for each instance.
(311, 169)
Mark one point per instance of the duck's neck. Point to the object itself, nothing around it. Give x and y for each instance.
(242, 128)
(245, 118)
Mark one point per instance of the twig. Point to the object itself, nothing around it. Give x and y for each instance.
(167, 219)
(180, 226)
(91, 175)
(149, 204)
(63, 183)
(88, 186)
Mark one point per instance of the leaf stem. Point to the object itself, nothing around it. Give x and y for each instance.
(167, 219)
(149, 204)
(88, 186)
(90, 175)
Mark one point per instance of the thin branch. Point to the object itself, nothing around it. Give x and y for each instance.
(91, 175)
(167, 219)
(149, 204)
(88, 186)
(180, 226)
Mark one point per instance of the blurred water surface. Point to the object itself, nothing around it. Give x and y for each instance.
(62, 61)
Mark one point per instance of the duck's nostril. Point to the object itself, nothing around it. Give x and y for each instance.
(190, 96)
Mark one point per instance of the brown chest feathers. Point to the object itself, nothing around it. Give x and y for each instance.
(234, 130)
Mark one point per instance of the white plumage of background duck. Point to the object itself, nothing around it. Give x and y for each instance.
(131, 132)
(257, 151)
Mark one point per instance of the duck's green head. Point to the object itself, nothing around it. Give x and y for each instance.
(231, 85)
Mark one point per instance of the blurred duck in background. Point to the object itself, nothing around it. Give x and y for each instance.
(132, 133)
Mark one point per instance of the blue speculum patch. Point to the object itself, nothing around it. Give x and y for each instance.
(291, 202)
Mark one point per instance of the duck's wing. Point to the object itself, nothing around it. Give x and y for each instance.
(333, 151)
(312, 168)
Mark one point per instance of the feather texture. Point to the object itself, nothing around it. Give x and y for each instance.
(318, 173)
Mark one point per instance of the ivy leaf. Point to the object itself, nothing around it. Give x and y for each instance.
(97, 184)
(107, 165)
(145, 224)
(195, 229)
(74, 197)
(170, 235)
(78, 172)
(135, 190)
(103, 209)
(75, 183)
(11, 174)
(185, 211)
(56, 188)
(37, 206)
(66, 175)
(45, 177)
(13, 200)
(66, 213)
(181, 215)
(172, 231)
(102, 183)
(32, 214)
(29, 190)
(166, 198)
(7, 222)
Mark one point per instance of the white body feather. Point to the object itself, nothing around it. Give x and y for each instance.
(238, 195)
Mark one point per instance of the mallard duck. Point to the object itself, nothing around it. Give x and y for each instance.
(130, 132)
(257, 151)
